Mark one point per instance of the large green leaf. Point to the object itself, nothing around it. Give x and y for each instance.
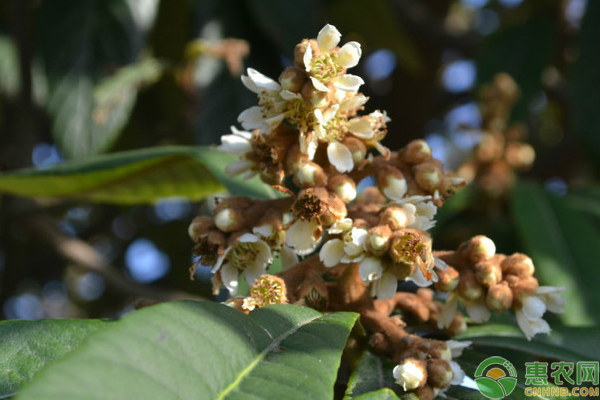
(564, 343)
(81, 43)
(371, 374)
(563, 244)
(584, 75)
(27, 346)
(382, 394)
(191, 350)
(134, 177)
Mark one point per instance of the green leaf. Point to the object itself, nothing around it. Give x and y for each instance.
(564, 343)
(191, 350)
(584, 75)
(563, 244)
(135, 177)
(382, 394)
(27, 346)
(371, 374)
(80, 42)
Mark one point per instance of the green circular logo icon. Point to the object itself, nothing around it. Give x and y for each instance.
(496, 377)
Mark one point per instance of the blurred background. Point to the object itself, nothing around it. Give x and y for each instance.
(99, 76)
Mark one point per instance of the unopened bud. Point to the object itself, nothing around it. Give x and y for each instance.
(499, 297)
(371, 195)
(294, 159)
(428, 175)
(519, 155)
(410, 374)
(488, 273)
(310, 175)
(457, 326)
(392, 183)
(378, 240)
(448, 279)
(468, 287)
(518, 264)
(357, 148)
(521, 287)
(314, 97)
(199, 226)
(299, 51)
(343, 186)
(292, 79)
(394, 217)
(439, 373)
(229, 220)
(416, 152)
(477, 249)
(335, 210)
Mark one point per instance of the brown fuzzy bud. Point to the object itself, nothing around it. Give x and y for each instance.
(200, 226)
(428, 175)
(335, 209)
(478, 248)
(488, 273)
(378, 239)
(371, 195)
(312, 96)
(468, 287)
(294, 159)
(229, 219)
(394, 217)
(343, 186)
(521, 287)
(457, 326)
(391, 182)
(310, 175)
(357, 148)
(519, 155)
(448, 279)
(518, 264)
(416, 152)
(299, 51)
(439, 373)
(292, 79)
(499, 297)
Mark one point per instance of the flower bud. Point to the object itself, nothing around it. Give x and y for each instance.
(299, 52)
(292, 79)
(488, 273)
(439, 373)
(378, 240)
(448, 279)
(294, 159)
(519, 155)
(335, 210)
(314, 97)
(478, 248)
(410, 374)
(457, 326)
(468, 287)
(343, 186)
(428, 175)
(392, 183)
(394, 217)
(229, 220)
(199, 226)
(416, 152)
(499, 297)
(521, 287)
(357, 148)
(310, 175)
(518, 264)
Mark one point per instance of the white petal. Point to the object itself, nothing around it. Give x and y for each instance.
(332, 252)
(308, 54)
(289, 95)
(458, 372)
(531, 328)
(419, 279)
(477, 310)
(340, 226)
(319, 116)
(248, 238)
(318, 85)
(234, 144)
(302, 236)
(288, 258)
(457, 346)
(328, 38)
(360, 127)
(533, 307)
(396, 188)
(348, 82)
(439, 263)
(249, 83)
(426, 208)
(353, 102)
(340, 157)
(356, 244)
(370, 269)
(237, 167)
(251, 118)
(349, 54)
(229, 276)
(330, 113)
(264, 230)
(275, 120)
(385, 287)
(448, 311)
(245, 134)
(263, 81)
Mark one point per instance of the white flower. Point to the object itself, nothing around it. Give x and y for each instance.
(419, 210)
(410, 375)
(476, 309)
(340, 157)
(448, 311)
(529, 317)
(332, 252)
(456, 347)
(304, 236)
(249, 254)
(354, 245)
(385, 287)
(239, 143)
